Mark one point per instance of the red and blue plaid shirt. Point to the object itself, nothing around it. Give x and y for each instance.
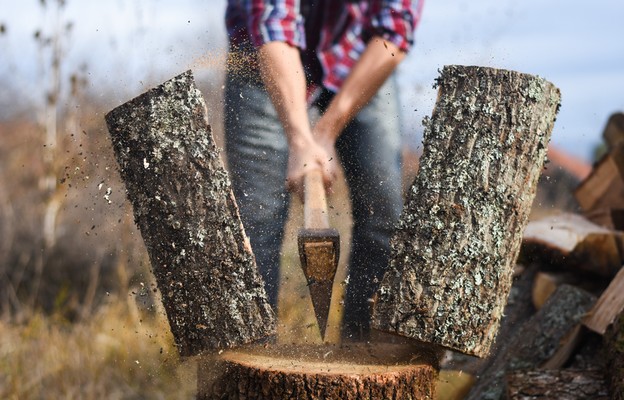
(331, 34)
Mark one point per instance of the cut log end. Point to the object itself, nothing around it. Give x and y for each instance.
(355, 371)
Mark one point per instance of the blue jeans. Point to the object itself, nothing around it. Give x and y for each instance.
(369, 149)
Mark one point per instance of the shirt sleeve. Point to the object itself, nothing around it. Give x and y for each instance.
(396, 20)
(275, 20)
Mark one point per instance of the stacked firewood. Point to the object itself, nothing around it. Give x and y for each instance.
(562, 336)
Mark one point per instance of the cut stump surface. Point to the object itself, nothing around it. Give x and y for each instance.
(379, 371)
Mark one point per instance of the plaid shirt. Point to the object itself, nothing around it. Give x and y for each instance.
(331, 34)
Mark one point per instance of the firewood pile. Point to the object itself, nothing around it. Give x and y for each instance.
(562, 335)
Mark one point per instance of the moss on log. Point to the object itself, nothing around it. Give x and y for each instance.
(460, 231)
(354, 372)
(183, 205)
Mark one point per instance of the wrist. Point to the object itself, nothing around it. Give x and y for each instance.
(327, 130)
(299, 139)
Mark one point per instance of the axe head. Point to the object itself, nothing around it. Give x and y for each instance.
(319, 251)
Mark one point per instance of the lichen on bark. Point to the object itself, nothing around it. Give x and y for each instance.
(459, 234)
(184, 207)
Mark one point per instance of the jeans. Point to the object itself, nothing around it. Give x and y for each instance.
(369, 149)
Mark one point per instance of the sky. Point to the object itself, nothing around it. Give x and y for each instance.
(128, 45)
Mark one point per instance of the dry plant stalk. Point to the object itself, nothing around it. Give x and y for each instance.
(460, 231)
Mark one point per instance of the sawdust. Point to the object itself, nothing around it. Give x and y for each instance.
(237, 61)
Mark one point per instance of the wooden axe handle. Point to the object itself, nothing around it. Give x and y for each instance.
(314, 201)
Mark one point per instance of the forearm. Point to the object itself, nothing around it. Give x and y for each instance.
(283, 76)
(375, 65)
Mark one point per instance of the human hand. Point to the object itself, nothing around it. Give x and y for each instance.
(305, 157)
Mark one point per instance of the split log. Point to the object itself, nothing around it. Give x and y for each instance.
(358, 371)
(614, 352)
(459, 234)
(611, 218)
(568, 345)
(557, 385)
(544, 285)
(613, 133)
(608, 307)
(570, 241)
(536, 341)
(604, 187)
(184, 207)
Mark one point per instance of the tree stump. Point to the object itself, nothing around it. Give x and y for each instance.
(358, 371)
(183, 205)
(460, 231)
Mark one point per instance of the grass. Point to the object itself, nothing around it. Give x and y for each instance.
(118, 353)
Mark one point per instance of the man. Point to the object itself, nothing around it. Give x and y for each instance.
(280, 51)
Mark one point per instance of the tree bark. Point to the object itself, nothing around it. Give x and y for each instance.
(460, 231)
(380, 371)
(185, 209)
(517, 311)
(557, 385)
(536, 341)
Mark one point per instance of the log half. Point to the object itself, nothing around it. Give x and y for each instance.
(460, 231)
(184, 207)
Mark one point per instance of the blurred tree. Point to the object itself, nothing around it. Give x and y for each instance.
(53, 40)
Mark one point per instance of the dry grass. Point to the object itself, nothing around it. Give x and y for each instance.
(118, 353)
